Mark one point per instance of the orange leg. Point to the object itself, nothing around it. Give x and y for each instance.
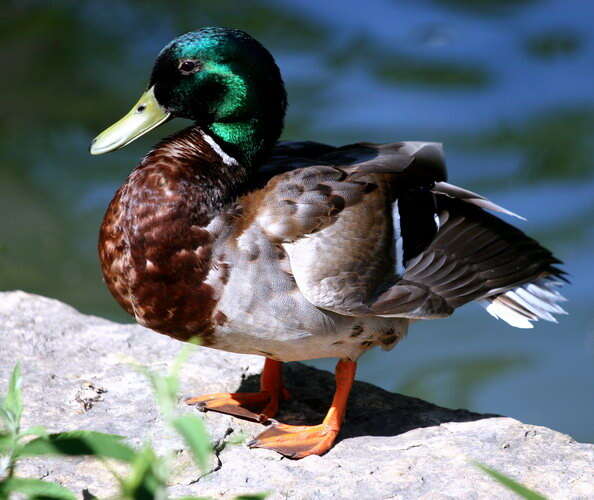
(301, 441)
(265, 402)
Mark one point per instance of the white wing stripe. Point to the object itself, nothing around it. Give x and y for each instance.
(399, 243)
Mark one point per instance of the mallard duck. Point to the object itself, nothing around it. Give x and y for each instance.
(295, 250)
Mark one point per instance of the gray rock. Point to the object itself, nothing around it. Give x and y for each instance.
(77, 375)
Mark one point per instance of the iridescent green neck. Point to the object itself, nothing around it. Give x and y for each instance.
(248, 117)
(246, 141)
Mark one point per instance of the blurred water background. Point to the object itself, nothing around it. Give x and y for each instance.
(506, 85)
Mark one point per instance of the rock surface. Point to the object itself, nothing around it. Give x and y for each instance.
(77, 375)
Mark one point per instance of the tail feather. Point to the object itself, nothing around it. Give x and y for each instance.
(526, 303)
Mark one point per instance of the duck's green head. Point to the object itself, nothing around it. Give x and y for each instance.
(221, 78)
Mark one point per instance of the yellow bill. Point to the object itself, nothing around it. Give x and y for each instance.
(144, 116)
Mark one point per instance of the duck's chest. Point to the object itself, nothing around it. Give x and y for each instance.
(156, 250)
(187, 276)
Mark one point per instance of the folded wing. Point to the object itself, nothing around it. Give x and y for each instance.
(375, 230)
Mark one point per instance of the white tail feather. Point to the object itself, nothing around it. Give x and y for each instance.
(530, 302)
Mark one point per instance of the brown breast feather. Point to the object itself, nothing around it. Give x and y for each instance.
(154, 246)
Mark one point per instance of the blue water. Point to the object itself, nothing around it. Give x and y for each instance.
(506, 86)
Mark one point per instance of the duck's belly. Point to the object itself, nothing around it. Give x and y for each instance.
(349, 339)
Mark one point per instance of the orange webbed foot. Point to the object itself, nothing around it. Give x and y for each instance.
(255, 406)
(296, 441)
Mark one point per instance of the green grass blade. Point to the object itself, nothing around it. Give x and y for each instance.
(8, 446)
(14, 400)
(191, 428)
(164, 387)
(7, 442)
(35, 430)
(254, 496)
(35, 488)
(512, 485)
(147, 478)
(5, 418)
(12, 404)
(76, 443)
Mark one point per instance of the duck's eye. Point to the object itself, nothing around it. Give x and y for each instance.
(188, 66)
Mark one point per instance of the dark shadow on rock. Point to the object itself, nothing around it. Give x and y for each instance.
(372, 411)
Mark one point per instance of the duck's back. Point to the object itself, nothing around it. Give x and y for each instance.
(375, 231)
